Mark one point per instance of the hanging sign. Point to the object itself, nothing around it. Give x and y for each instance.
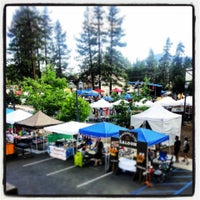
(128, 139)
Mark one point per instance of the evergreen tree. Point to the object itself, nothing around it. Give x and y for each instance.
(165, 62)
(25, 35)
(61, 53)
(98, 28)
(47, 36)
(115, 68)
(86, 48)
(177, 74)
(151, 65)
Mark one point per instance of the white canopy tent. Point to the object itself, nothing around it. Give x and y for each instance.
(188, 101)
(17, 116)
(119, 101)
(160, 120)
(167, 101)
(101, 104)
(68, 128)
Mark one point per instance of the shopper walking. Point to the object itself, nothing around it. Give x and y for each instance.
(177, 146)
(186, 148)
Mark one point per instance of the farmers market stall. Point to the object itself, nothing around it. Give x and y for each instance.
(62, 141)
(102, 130)
(160, 120)
(133, 149)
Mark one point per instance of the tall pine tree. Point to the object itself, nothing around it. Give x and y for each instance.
(61, 52)
(115, 68)
(86, 44)
(25, 35)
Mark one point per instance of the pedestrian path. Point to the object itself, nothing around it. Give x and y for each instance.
(183, 165)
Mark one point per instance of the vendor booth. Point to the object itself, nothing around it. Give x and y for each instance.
(13, 116)
(31, 132)
(102, 130)
(133, 148)
(62, 141)
(160, 120)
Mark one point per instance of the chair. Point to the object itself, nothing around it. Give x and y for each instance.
(162, 156)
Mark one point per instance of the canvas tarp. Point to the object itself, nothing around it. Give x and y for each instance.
(68, 128)
(38, 120)
(160, 120)
(102, 129)
(16, 116)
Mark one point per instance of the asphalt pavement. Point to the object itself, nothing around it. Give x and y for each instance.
(39, 175)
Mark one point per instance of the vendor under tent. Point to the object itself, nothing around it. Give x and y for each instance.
(160, 120)
(38, 121)
(61, 142)
(140, 140)
(103, 130)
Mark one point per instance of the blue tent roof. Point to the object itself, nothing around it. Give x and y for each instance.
(149, 136)
(8, 110)
(102, 129)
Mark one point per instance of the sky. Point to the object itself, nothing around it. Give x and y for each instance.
(146, 27)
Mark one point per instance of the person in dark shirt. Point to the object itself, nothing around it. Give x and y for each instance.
(186, 148)
(177, 145)
(99, 150)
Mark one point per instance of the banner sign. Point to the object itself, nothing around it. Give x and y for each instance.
(128, 139)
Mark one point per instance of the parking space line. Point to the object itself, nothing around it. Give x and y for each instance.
(36, 162)
(183, 188)
(93, 180)
(61, 170)
(139, 190)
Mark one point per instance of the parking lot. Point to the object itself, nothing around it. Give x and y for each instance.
(41, 175)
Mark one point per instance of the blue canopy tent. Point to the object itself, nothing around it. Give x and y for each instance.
(149, 136)
(102, 129)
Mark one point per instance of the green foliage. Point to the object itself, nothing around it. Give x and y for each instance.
(48, 94)
(122, 118)
(69, 109)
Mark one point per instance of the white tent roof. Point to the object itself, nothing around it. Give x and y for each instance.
(101, 104)
(68, 128)
(119, 101)
(188, 102)
(17, 116)
(167, 101)
(148, 103)
(160, 120)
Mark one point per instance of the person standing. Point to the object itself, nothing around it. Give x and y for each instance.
(99, 151)
(177, 146)
(186, 148)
